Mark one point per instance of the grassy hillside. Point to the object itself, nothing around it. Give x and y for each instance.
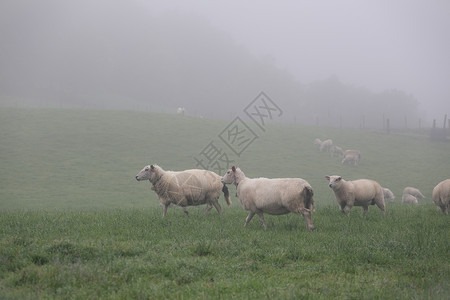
(75, 159)
(74, 223)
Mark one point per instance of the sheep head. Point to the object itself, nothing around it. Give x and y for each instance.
(233, 176)
(334, 181)
(147, 173)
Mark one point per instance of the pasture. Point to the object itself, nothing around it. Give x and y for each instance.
(74, 222)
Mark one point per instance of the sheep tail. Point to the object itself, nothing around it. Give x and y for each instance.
(308, 196)
(226, 194)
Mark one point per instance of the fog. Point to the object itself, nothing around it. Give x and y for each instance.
(333, 62)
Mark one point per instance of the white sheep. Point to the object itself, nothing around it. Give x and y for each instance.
(362, 192)
(317, 143)
(336, 151)
(351, 156)
(276, 196)
(414, 192)
(326, 145)
(186, 188)
(180, 111)
(410, 199)
(441, 196)
(388, 195)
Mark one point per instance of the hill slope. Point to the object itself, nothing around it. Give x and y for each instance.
(77, 159)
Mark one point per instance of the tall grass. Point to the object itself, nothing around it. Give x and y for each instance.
(133, 253)
(74, 223)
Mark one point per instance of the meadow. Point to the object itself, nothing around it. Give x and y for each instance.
(74, 222)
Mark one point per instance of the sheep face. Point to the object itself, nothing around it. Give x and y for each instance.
(147, 173)
(230, 176)
(334, 181)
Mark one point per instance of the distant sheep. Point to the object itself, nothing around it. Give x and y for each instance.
(272, 196)
(388, 195)
(186, 188)
(441, 196)
(336, 151)
(351, 157)
(410, 199)
(317, 143)
(362, 192)
(414, 192)
(326, 145)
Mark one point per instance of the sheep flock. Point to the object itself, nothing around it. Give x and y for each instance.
(280, 196)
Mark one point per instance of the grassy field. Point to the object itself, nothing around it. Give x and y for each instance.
(74, 223)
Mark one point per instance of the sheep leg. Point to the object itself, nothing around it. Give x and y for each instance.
(365, 209)
(185, 211)
(381, 205)
(249, 217)
(347, 209)
(165, 209)
(217, 206)
(307, 215)
(261, 218)
(207, 209)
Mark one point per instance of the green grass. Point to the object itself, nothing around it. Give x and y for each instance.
(74, 223)
(134, 253)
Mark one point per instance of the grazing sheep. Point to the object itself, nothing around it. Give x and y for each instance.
(185, 188)
(388, 195)
(317, 143)
(414, 192)
(351, 156)
(408, 198)
(336, 151)
(326, 145)
(441, 196)
(362, 192)
(180, 111)
(276, 196)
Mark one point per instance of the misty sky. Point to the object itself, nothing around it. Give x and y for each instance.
(378, 44)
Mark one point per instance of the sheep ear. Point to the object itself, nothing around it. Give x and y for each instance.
(327, 177)
(339, 178)
(233, 168)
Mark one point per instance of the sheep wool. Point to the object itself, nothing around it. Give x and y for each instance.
(186, 188)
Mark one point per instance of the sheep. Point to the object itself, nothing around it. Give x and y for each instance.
(180, 111)
(388, 195)
(362, 192)
(351, 156)
(275, 196)
(408, 198)
(441, 196)
(414, 192)
(326, 145)
(186, 188)
(336, 151)
(317, 143)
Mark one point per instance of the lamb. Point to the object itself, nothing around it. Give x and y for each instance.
(276, 196)
(186, 188)
(441, 196)
(362, 192)
(317, 143)
(326, 145)
(408, 198)
(414, 192)
(351, 156)
(336, 151)
(388, 195)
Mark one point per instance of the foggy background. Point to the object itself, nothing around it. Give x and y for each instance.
(335, 63)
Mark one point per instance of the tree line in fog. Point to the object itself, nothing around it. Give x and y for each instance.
(114, 56)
